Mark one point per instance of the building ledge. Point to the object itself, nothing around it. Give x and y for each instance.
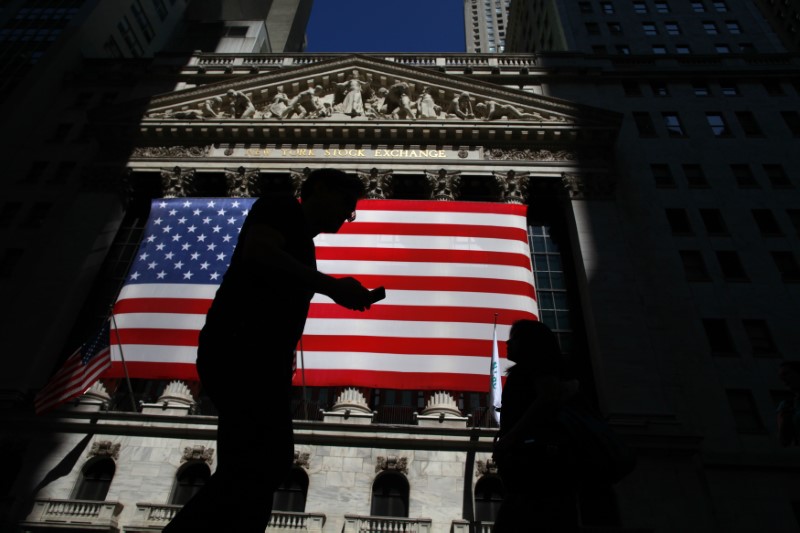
(77, 515)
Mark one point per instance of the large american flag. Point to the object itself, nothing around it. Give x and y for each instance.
(448, 267)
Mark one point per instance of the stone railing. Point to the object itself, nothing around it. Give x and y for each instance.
(462, 526)
(385, 524)
(152, 517)
(282, 521)
(74, 513)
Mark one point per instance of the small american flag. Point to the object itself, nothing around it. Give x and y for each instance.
(79, 371)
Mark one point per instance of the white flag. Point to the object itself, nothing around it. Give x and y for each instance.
(495, 384)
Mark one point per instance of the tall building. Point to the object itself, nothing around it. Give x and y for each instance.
(485, 24)
(659, 193)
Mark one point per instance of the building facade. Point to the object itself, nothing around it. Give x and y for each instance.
(663, 225)
(485, 24)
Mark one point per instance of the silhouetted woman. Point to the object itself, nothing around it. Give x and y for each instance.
(535, 389)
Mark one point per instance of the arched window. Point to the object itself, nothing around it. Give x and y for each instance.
(291, 495)
(489, 493)
(190, 479)
(96, 476)
(390, 495)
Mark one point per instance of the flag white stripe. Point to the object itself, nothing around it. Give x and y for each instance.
(422, 242)
(430, 270)
(168, 290)
(442, 217)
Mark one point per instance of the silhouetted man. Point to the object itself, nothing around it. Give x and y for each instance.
(246, 348)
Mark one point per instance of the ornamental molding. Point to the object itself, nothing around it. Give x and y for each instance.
(104, 448)
(444, 184)
(392, 463)
(301, 459)
(178, 182)
(529, 154)
(242, 182)
(378, 183)
(171, 151)
(488, 467)
(198, 453)
(589, 186)
(513, 186)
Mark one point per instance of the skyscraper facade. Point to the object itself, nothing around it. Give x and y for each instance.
(485, 24)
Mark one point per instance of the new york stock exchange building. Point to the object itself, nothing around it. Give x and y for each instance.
(488, 200)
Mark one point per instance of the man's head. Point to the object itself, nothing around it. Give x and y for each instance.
(329, 198)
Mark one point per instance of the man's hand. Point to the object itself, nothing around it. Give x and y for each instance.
(349, 293)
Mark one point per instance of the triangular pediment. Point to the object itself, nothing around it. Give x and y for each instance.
(363, 89)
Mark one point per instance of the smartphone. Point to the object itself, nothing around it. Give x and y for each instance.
(377, 294)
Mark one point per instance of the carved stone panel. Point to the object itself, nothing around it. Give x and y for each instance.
(378, 183)
(242, 182)
(301, 459)
(589, 186)
(198, 453)
(104, 448)
(178, 182)
(513, 186)
(393, 463)
(298, 177)
(485, 467)
(444, 184)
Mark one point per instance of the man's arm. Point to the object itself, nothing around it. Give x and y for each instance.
(264, 246)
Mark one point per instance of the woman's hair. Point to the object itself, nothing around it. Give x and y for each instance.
(539, 347)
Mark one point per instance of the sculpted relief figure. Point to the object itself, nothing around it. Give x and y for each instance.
(239, 105)
(461, 107)
(305, 104)
(378, 183)
(242, 183)
(513, 186)
(398, 102)
(280, 101)
(177, 182)
(492, 110)
(426, 106)
(353, 102)
(444, 185)
(375, 105)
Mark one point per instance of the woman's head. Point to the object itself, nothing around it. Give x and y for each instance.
(531, 338)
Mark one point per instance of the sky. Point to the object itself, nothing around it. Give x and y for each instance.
(386, 26)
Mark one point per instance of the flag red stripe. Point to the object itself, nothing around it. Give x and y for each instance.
(71, 381)
(191, 306)
(413, 255)
(187, 371)
(393, 380)
(441, 283)
(446, 207)
(398, 345)
(435, 230)
(164, 337)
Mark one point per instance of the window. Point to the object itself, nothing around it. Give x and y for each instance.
(623, 49)
(649, 28)
(161, 9)
(614, 28)
(722, 48)
(8, 213)
(731, 266)
(695, 177)
(700, 89)
(713, 222)
(710, 28)
(744, 410)
(659, 89)
(673, 124)
(190, 479)
(672, 28)
(599, 49)
(792, 120)
(63, 172)
(632, 89)
(766, 222)
(95, 479)
(718, 125)
(659, 49)
(644, 124)
(142, 20)
(747, 48)
(60, 133)
(548, 272)
(786, 263)
(760, 337)
(489, 494)
(693, 265)
(733, 27)
(8, 261)
(749, 124)
(130, 38)
(390, 495)
(678, 221)
(639, 8)
(777, 177)
(36, 171)
(290, 496)
(698, 7)
(719, 337)
(608, 8)
(36, 215)
(729, 89)
(773, 88)
(720, 7)
(585, 7)
(744, 176)
(683, 49)
(592, 28)
(662, 7)
(662, 176)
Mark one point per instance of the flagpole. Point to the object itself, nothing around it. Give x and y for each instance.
(492, 407)
(122, 358)
(303, 375)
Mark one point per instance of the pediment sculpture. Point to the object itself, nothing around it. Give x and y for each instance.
(358, 97)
